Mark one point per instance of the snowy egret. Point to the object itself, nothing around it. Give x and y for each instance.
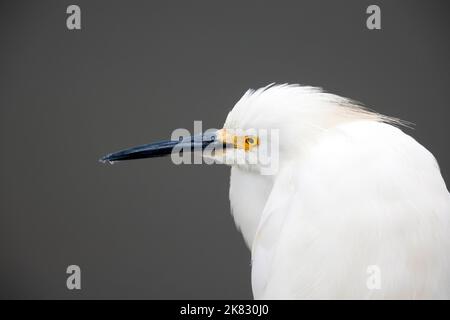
(357, 209)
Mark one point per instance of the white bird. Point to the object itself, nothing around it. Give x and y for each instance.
(356, 208)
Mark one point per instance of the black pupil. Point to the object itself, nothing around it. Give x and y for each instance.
(249, 140)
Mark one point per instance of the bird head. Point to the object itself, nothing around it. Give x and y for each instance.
(273, 123)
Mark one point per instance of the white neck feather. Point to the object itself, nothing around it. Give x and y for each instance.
(247, 189)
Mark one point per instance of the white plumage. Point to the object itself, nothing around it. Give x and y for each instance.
(353, 208)
(352, 191)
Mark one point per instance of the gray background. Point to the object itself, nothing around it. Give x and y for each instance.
(136, 71)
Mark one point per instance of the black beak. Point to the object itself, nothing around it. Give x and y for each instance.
(162, 148)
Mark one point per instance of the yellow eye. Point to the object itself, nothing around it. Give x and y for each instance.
(238, 141)
(250, 142)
